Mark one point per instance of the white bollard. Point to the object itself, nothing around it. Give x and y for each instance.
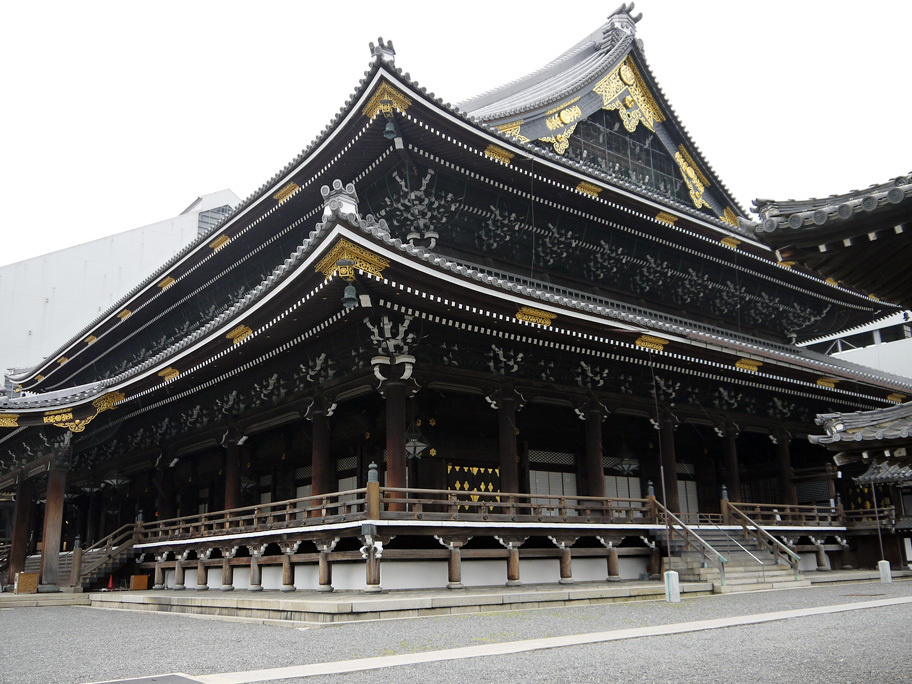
(672, 587)
(885, 575)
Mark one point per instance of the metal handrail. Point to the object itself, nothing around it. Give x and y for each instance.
(707, 520)
(765, 537)
(717, 559)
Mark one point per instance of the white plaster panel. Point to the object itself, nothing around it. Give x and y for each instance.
(482, 573)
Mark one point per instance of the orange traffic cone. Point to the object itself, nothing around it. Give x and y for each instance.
(111, 583)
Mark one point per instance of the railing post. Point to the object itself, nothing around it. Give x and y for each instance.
(372, 496)
(75, 571)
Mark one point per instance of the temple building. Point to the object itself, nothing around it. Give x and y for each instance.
(529, 338)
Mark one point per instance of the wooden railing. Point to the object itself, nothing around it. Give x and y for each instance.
(439, 504)
(871, 518)
(116, 544)
(772, 515)
(309, 510)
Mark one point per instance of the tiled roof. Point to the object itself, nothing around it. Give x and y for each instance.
(886, 424)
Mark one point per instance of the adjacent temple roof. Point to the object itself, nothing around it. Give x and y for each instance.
(862, 238)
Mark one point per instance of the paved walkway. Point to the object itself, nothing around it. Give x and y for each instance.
(822, 633)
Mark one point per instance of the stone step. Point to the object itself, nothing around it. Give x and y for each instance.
(718, 588)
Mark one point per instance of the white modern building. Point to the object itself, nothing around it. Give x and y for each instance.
(45, 300)
(885, 345)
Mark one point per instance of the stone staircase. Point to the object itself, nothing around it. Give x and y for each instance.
(750, 568)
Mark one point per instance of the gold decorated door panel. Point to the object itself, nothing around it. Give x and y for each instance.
(474, 483)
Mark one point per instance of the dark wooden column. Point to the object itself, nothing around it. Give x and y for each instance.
(321, 458)
(669, 463)
(93, 517)
(594, 414)
(232, 473)
(22, 520)
(732, 468)
(784, 464)
(507, 405)
(395, 393)
(53, 526)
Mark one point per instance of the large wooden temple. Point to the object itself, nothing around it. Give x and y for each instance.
(528, 338)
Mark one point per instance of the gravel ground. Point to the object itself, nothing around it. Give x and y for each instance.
(72, 645)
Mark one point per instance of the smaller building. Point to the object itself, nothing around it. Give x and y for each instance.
(50, 296)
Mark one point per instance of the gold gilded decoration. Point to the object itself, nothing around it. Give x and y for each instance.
(385, 92)
(694, 185)
(730, 242)
(219, 242)
(563, 118)
(530, 315)
(124, 315)
(499, 154)
(827, 382)
(588, 189)
(38, 378)
(364, 259)
(285, 192)
(651, 342)
(62, 360)
(561, 141)
(9, 420)
(90, 339)
(562, 105)
(748, 365)
(637, 105)
(58, 417)
(786, 264)
(665, 217)
(166, 283)
(169, 373)
(700, 176)
(512, 129)
(874, 297)
(832, 281)
(730, 217)
(64, 417)
(239, 334)
(897, 397)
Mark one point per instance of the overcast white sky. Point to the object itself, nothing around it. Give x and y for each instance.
(119, 114)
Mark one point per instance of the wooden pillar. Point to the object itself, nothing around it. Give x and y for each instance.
(396, 461)
(53, 527)
(232, 474)
(507, 402)
(202, 574)
(288, 548)
(512, 545)
(179, 571)
(159, 571)
(93, 517)
(614, 568)
(321, 458)
(454, 564)
(22, 518)
(784, 463)
(732, 467)
(669, 463)
(371, 552)
(256, 576)
(594, 471)
(227, 569)
(325, 547)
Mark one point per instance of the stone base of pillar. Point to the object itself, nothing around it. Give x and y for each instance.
(202, 587)
(455, 585)
(227, 587)
(178, 587)
(614, 579)
(256, 587)
(373, 589)
(158, 587)
(325, 588)
(288, 587)
(514, 583)
(566, 580)
(71, 590)
(48, 588)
